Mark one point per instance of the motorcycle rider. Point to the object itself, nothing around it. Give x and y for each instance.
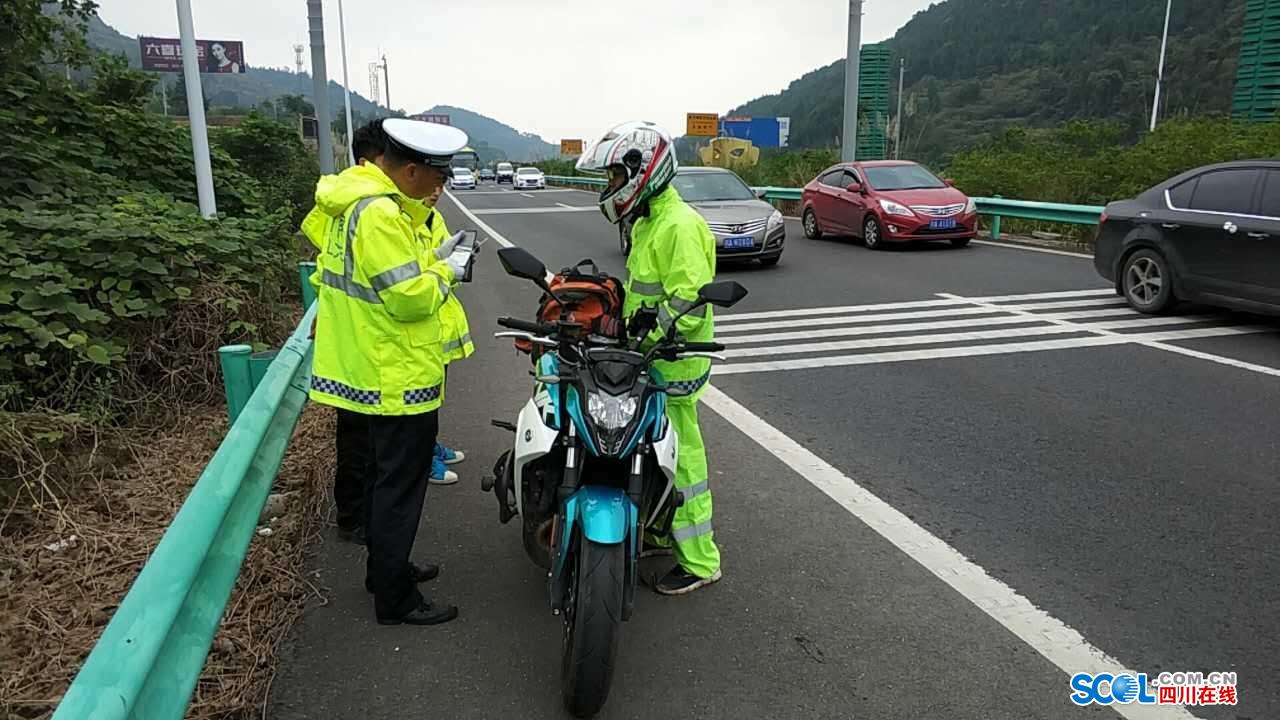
(673, 254)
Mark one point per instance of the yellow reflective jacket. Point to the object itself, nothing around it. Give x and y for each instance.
(377, 345)
(455, 331)
(673, 254)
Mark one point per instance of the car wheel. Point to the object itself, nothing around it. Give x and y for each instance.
(960, 242)
(1147, 282)
(810, 222)
(871, 234)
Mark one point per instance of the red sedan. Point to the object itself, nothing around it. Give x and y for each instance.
(887, 201)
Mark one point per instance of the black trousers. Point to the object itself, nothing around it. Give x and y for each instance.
(354, 468)
(403, 446)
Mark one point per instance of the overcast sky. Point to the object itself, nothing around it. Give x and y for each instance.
(559, 68)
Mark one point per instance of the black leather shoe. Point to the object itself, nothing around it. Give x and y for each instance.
(416, 574)
(428, 613)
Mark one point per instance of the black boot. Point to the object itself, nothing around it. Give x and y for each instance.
(417, 574)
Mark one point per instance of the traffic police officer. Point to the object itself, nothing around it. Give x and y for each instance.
(378, 341)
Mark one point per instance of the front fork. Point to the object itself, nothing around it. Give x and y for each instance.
(600, 514)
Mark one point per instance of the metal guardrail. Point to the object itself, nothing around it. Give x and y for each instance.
(993, 207)
(149, 657)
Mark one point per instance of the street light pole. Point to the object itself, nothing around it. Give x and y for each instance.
(897, 126)
(849, 137)
(195, 111)
(386, 82)
(320, 87)
(346, 85)
(1164, 43)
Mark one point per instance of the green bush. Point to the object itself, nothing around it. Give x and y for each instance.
(271, 152)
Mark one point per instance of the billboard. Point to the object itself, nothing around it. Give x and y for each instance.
(701, 124)
(772, 132)
(570, 147)
(213, 56)
(428, 117)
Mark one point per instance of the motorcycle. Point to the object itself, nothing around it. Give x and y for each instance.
(593, 467)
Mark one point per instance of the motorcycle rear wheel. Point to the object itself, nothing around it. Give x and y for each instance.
(592, 616)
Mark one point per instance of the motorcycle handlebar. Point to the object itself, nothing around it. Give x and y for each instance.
(702, 347)
(526, 326)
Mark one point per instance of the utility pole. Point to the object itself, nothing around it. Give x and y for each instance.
(195, 111)
(346, 85)
(1164, 43)
(320, 87)
(164, 95)
(897, 125)
(849, 138)
(386, 84)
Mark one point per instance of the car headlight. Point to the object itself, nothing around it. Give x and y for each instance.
(775, 219)
(612, 412)
(971, 207)
(894, 208)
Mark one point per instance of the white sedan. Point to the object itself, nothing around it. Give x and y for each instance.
(463, 178)
(530, 178)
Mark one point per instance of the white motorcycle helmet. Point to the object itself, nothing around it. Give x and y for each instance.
(640, 159)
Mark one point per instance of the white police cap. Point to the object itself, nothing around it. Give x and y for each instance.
(436, 143)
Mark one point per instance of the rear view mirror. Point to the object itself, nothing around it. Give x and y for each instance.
(854, 187)
(949, 182)
(761, 193)
(725, 293)
(520, 263)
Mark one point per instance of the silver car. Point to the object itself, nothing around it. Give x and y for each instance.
(745, 227)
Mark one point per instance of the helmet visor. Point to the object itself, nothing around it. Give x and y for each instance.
(595, 158)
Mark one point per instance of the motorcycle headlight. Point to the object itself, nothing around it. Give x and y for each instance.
(894, 208)
(775, 219)
(611, 412)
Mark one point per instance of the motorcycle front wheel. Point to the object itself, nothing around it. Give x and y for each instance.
(592, 616)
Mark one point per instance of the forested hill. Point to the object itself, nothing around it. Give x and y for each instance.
(975, 67)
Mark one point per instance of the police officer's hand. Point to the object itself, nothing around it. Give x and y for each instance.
(448, 246)
(458, 261)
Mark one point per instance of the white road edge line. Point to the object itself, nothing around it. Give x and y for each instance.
(1264, 369)
(1058, 643)
(1028, 248)
(497, 236)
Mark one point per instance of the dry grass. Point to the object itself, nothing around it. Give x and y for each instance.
(116, 493)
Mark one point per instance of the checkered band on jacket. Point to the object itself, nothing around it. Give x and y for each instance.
(421, 395)
(342, 390)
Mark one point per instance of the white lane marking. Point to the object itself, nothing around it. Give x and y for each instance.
(528, 195)
(575, 207)
(849, 319)
(1079, 302)
(903, 305)
(979, 350)
(1057, 642)
(1135, 320)
(532, 211)
(1156, 344)
(926, 339)
(1264, 369)
(1028, 248)
(497, 236)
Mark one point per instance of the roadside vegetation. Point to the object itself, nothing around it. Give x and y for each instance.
(114, 296)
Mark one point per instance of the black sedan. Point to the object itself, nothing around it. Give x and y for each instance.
(1209, 235)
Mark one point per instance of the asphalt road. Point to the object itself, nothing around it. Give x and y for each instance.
(945, 479)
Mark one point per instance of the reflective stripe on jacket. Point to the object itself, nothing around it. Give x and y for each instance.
(673, 254)
(377, 345)
(455, 331)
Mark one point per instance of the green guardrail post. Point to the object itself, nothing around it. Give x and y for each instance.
(995, 224)
(304, 277)
(258, 364)
(237, 377)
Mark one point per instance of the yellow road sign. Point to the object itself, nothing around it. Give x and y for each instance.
(702, 124)
(570, 147)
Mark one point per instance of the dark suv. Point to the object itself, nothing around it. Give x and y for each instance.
(1209, 235)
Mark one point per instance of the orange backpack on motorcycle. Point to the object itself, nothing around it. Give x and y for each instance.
(591, 299)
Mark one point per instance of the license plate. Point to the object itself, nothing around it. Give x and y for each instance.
(739, 243)
(943, 224)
